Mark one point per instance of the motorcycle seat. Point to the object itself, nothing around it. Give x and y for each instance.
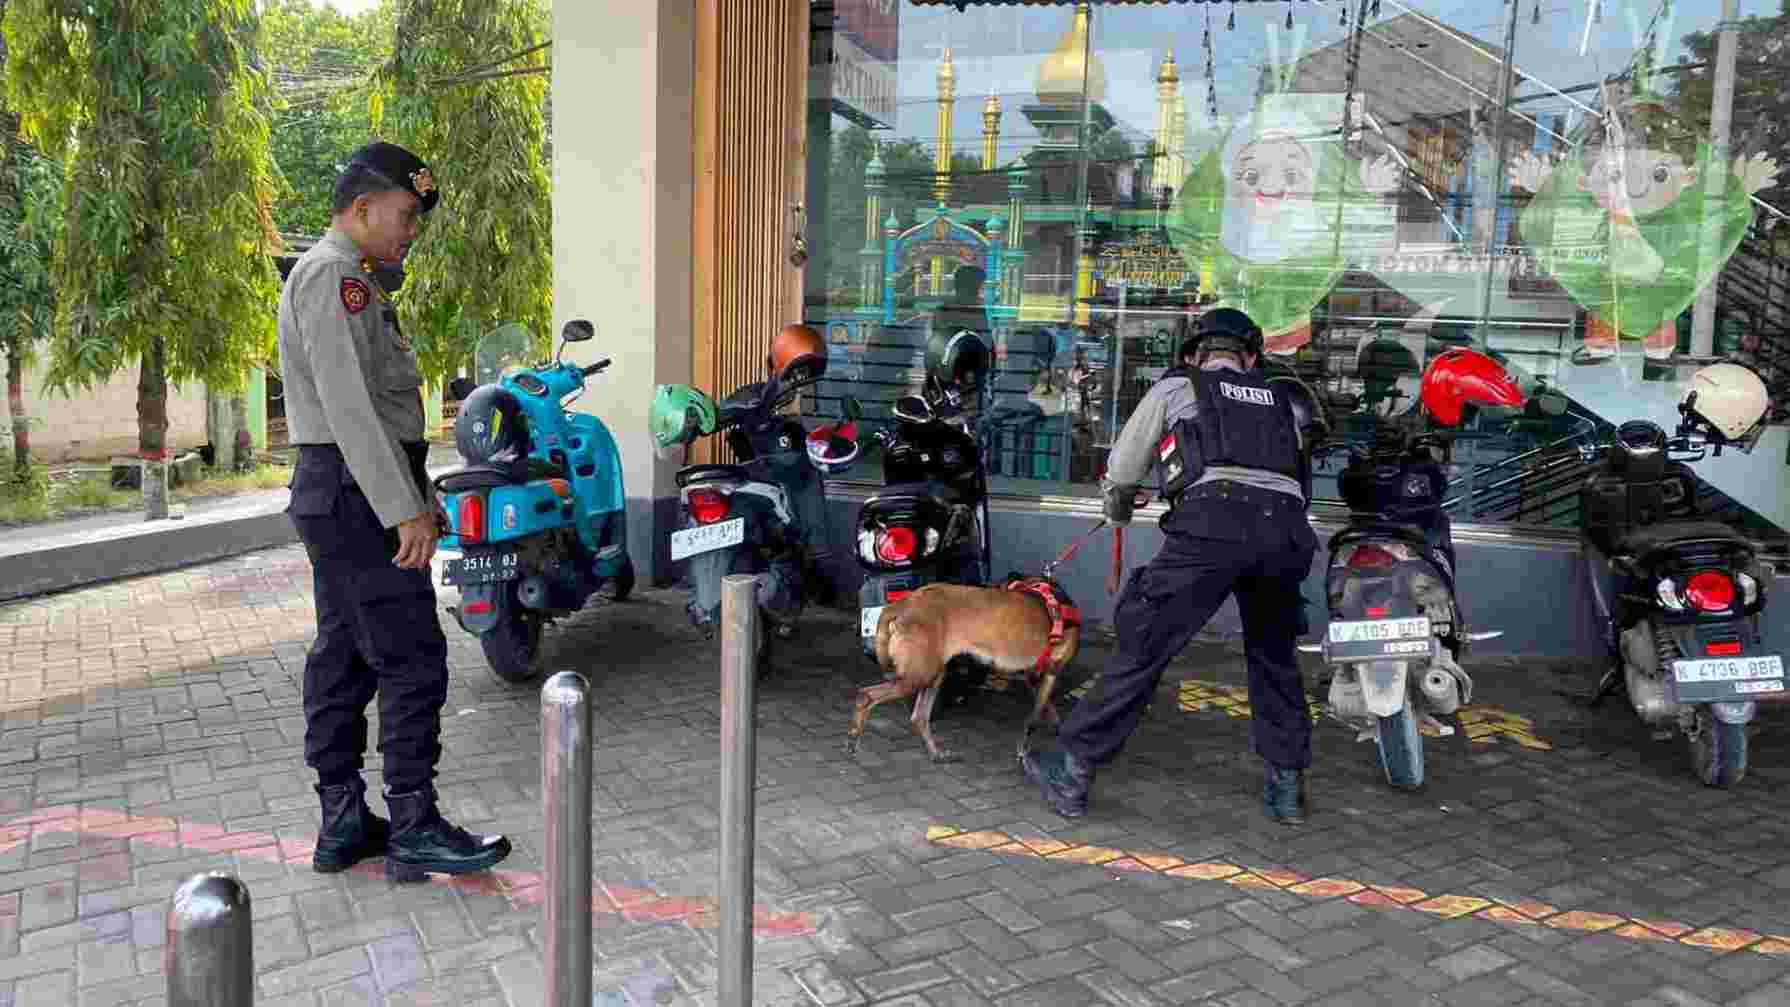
(707, 473)
(484, 477)
(927, 490)
(1654, 537)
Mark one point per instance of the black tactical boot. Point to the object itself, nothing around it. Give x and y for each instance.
(351, 832)
(1064, 780)
(1283, 795)
(424, 843)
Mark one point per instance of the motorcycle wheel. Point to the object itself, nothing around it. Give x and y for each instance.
(1401, 749)
(1717, 750)
(621, 585)
(513, 648)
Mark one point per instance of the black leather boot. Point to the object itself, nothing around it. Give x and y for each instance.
(424, 843)
(351, 832)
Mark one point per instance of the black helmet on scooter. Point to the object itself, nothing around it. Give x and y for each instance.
(491, 428)
(956, 365)
(1223, 328)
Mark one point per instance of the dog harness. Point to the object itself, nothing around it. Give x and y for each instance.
(1063, 615)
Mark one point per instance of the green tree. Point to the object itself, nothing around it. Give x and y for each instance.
(30, 216)
(465, 90)
(322, 63)
(1761, 117)
(157, 112)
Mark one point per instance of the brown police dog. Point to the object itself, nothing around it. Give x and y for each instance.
(1003, 627)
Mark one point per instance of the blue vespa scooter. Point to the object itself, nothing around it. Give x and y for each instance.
(537, 514)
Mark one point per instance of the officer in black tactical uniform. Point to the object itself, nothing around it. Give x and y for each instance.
(1237, 476)
(367, 514)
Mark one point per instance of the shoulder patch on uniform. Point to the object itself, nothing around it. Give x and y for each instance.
(354, 295)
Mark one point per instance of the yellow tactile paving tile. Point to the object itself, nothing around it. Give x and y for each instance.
(1447, 906)
(1481, 724)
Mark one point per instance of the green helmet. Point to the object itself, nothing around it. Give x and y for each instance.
(679, 415)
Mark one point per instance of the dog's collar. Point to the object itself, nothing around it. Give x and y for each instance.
(1063, 616)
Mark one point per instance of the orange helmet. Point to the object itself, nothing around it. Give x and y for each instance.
(798, 357)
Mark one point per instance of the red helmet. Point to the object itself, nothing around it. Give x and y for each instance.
(1459, 376)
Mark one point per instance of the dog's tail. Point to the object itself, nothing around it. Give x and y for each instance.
(885, 628)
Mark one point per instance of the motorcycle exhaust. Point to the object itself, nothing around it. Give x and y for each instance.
(1442, 691)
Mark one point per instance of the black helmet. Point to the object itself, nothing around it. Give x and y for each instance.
(956, 364)
(491, 429)
(1224, 327)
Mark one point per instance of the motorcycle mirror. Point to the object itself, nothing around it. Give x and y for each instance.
(853, 409)
(460, 388)
(577, 331)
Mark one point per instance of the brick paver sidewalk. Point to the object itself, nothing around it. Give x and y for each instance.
(1557, 856)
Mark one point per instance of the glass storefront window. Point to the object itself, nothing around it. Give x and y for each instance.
(1374, 181)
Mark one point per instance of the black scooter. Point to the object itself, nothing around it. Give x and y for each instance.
(1680, 599)
(929, 522)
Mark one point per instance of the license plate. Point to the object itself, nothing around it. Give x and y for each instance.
(1716, 679)
(483, 568)
(687, 542)
(868, 619)
(1374, 639)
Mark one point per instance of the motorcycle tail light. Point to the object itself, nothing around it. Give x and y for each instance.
(1724, 648)
(470, 523)
(1377, 611)
(1368, 557)
(896, 545)
(1710, 591)
(898, 594)
(706, 505)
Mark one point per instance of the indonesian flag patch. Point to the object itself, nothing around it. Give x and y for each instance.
(354, 295)
(1165, 448)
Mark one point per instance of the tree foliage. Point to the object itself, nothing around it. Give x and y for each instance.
(1761, 117)
(156, 111)
(485, 256)
(322, 63)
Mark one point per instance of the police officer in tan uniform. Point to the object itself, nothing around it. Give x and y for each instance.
(367, 514)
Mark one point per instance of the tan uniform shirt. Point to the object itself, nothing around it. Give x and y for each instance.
(350, 377)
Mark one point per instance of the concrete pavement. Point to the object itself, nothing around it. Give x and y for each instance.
(151, 728)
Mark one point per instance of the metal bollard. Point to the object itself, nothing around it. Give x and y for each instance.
(209, 958)
(739, 756)
(566, 744)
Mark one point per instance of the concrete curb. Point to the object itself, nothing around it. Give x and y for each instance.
(91, 551)
(43, 565)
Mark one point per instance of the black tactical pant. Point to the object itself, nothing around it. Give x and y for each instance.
(1221, 538)
(377, 631)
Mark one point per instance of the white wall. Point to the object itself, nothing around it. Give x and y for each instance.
(99, 423)
(623, 156)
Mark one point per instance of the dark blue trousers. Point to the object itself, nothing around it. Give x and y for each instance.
(1222, 538)
(377, 630)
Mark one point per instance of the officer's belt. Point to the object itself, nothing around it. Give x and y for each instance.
(1225, 489)
(416, 453)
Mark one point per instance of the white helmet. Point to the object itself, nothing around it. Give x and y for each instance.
(1731, 400)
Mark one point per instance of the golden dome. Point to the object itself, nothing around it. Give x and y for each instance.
(1168, 74)
(992, 106)
(1060, 77)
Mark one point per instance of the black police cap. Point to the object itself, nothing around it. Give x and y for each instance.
(401, 168)
(1225, 325)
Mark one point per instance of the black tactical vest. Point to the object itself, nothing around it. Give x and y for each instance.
(1241, 423)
